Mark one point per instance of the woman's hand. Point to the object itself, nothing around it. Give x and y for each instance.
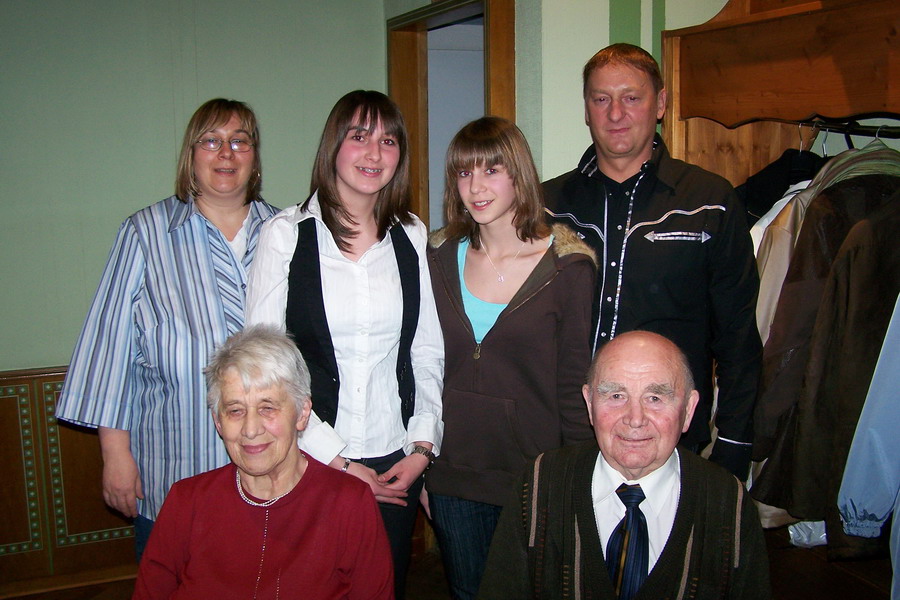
(121, 478)
(383, 493)
(403, 474)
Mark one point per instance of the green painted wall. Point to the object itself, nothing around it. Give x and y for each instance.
(550, 109)
(95, 96)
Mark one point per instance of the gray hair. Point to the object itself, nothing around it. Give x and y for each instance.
(263, 357)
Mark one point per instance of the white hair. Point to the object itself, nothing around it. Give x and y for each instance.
(263, 357)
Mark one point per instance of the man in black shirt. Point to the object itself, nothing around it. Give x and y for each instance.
(675, 253)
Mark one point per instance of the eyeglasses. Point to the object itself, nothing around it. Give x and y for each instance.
(215, 144)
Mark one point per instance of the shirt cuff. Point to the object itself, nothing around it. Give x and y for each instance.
(321, 442)
(719, 437)
(424, 428)
(864, 530)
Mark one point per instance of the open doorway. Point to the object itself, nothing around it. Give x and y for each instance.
(455, 97)
(409, 39)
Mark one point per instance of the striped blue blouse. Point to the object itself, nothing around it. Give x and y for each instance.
(171, 292)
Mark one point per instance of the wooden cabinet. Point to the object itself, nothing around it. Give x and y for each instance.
(56, 530)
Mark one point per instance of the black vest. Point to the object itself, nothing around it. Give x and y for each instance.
(305, 320)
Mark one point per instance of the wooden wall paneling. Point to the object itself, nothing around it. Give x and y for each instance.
(408, 85)
(752, 9)
(24, 544)
(735, 154)
(500, 58)
(87, 534)
(763, 61)
(673, 127)
(778, 68)
(56, 532)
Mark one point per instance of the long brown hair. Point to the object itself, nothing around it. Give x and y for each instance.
(211, 114)
(369, 109)
(487, 142)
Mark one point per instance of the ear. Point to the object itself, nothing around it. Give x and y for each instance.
(216, 422)
(692, 401)
(586, 393)
(661, 98)
(303, 417)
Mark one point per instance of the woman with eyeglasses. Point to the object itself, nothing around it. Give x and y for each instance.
(345, 273)
(173, 289)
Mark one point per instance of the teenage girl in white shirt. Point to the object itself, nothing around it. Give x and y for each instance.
(345, 273)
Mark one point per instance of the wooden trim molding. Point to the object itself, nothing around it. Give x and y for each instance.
(407, 36)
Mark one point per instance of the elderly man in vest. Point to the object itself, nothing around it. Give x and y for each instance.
(630, 516)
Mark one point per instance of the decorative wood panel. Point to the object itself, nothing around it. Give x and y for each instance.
(24, 550)
(764, 61)
(59, 532)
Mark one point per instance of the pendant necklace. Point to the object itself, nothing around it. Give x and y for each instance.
(500, 278)
(262, 555)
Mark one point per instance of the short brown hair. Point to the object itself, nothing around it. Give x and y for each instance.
(623, 54)
(368, 109)
(211, 114)
(487, 142)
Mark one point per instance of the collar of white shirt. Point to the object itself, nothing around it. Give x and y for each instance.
(661, 489)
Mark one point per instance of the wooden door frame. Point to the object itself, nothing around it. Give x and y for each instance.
(407, 50)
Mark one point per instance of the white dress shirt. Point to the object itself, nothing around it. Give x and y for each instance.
(662, 489)
(364, 310)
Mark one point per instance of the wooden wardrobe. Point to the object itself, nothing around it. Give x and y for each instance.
(739, 84)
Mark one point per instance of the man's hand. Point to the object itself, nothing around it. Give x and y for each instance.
(121, 478)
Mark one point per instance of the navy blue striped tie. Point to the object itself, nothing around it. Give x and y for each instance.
(627, 552)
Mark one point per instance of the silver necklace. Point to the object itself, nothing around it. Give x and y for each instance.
(262, 554)
(500, 278)
(266, 504)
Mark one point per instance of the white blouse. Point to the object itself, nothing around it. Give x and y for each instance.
(364, 311)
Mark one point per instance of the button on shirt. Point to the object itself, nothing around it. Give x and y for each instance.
(618, 210)
(661, 488)
(364, 310)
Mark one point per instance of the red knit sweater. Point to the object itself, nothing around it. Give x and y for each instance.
(325, 540)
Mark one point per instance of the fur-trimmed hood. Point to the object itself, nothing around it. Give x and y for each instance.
(565, 242)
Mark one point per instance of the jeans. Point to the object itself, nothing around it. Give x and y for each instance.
(464, 530)
(399, 521)
(142, 528)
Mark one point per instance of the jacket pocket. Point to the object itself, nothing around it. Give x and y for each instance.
(482, 433)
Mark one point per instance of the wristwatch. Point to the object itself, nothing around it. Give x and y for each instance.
(426, 453)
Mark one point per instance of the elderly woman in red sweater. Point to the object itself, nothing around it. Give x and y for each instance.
(275, 522)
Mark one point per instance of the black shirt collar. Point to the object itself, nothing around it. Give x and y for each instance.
(588, 163)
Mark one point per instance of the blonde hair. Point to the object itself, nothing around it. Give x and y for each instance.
(211, 114)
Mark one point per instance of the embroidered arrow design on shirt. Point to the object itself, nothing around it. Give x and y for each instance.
(678, 236)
